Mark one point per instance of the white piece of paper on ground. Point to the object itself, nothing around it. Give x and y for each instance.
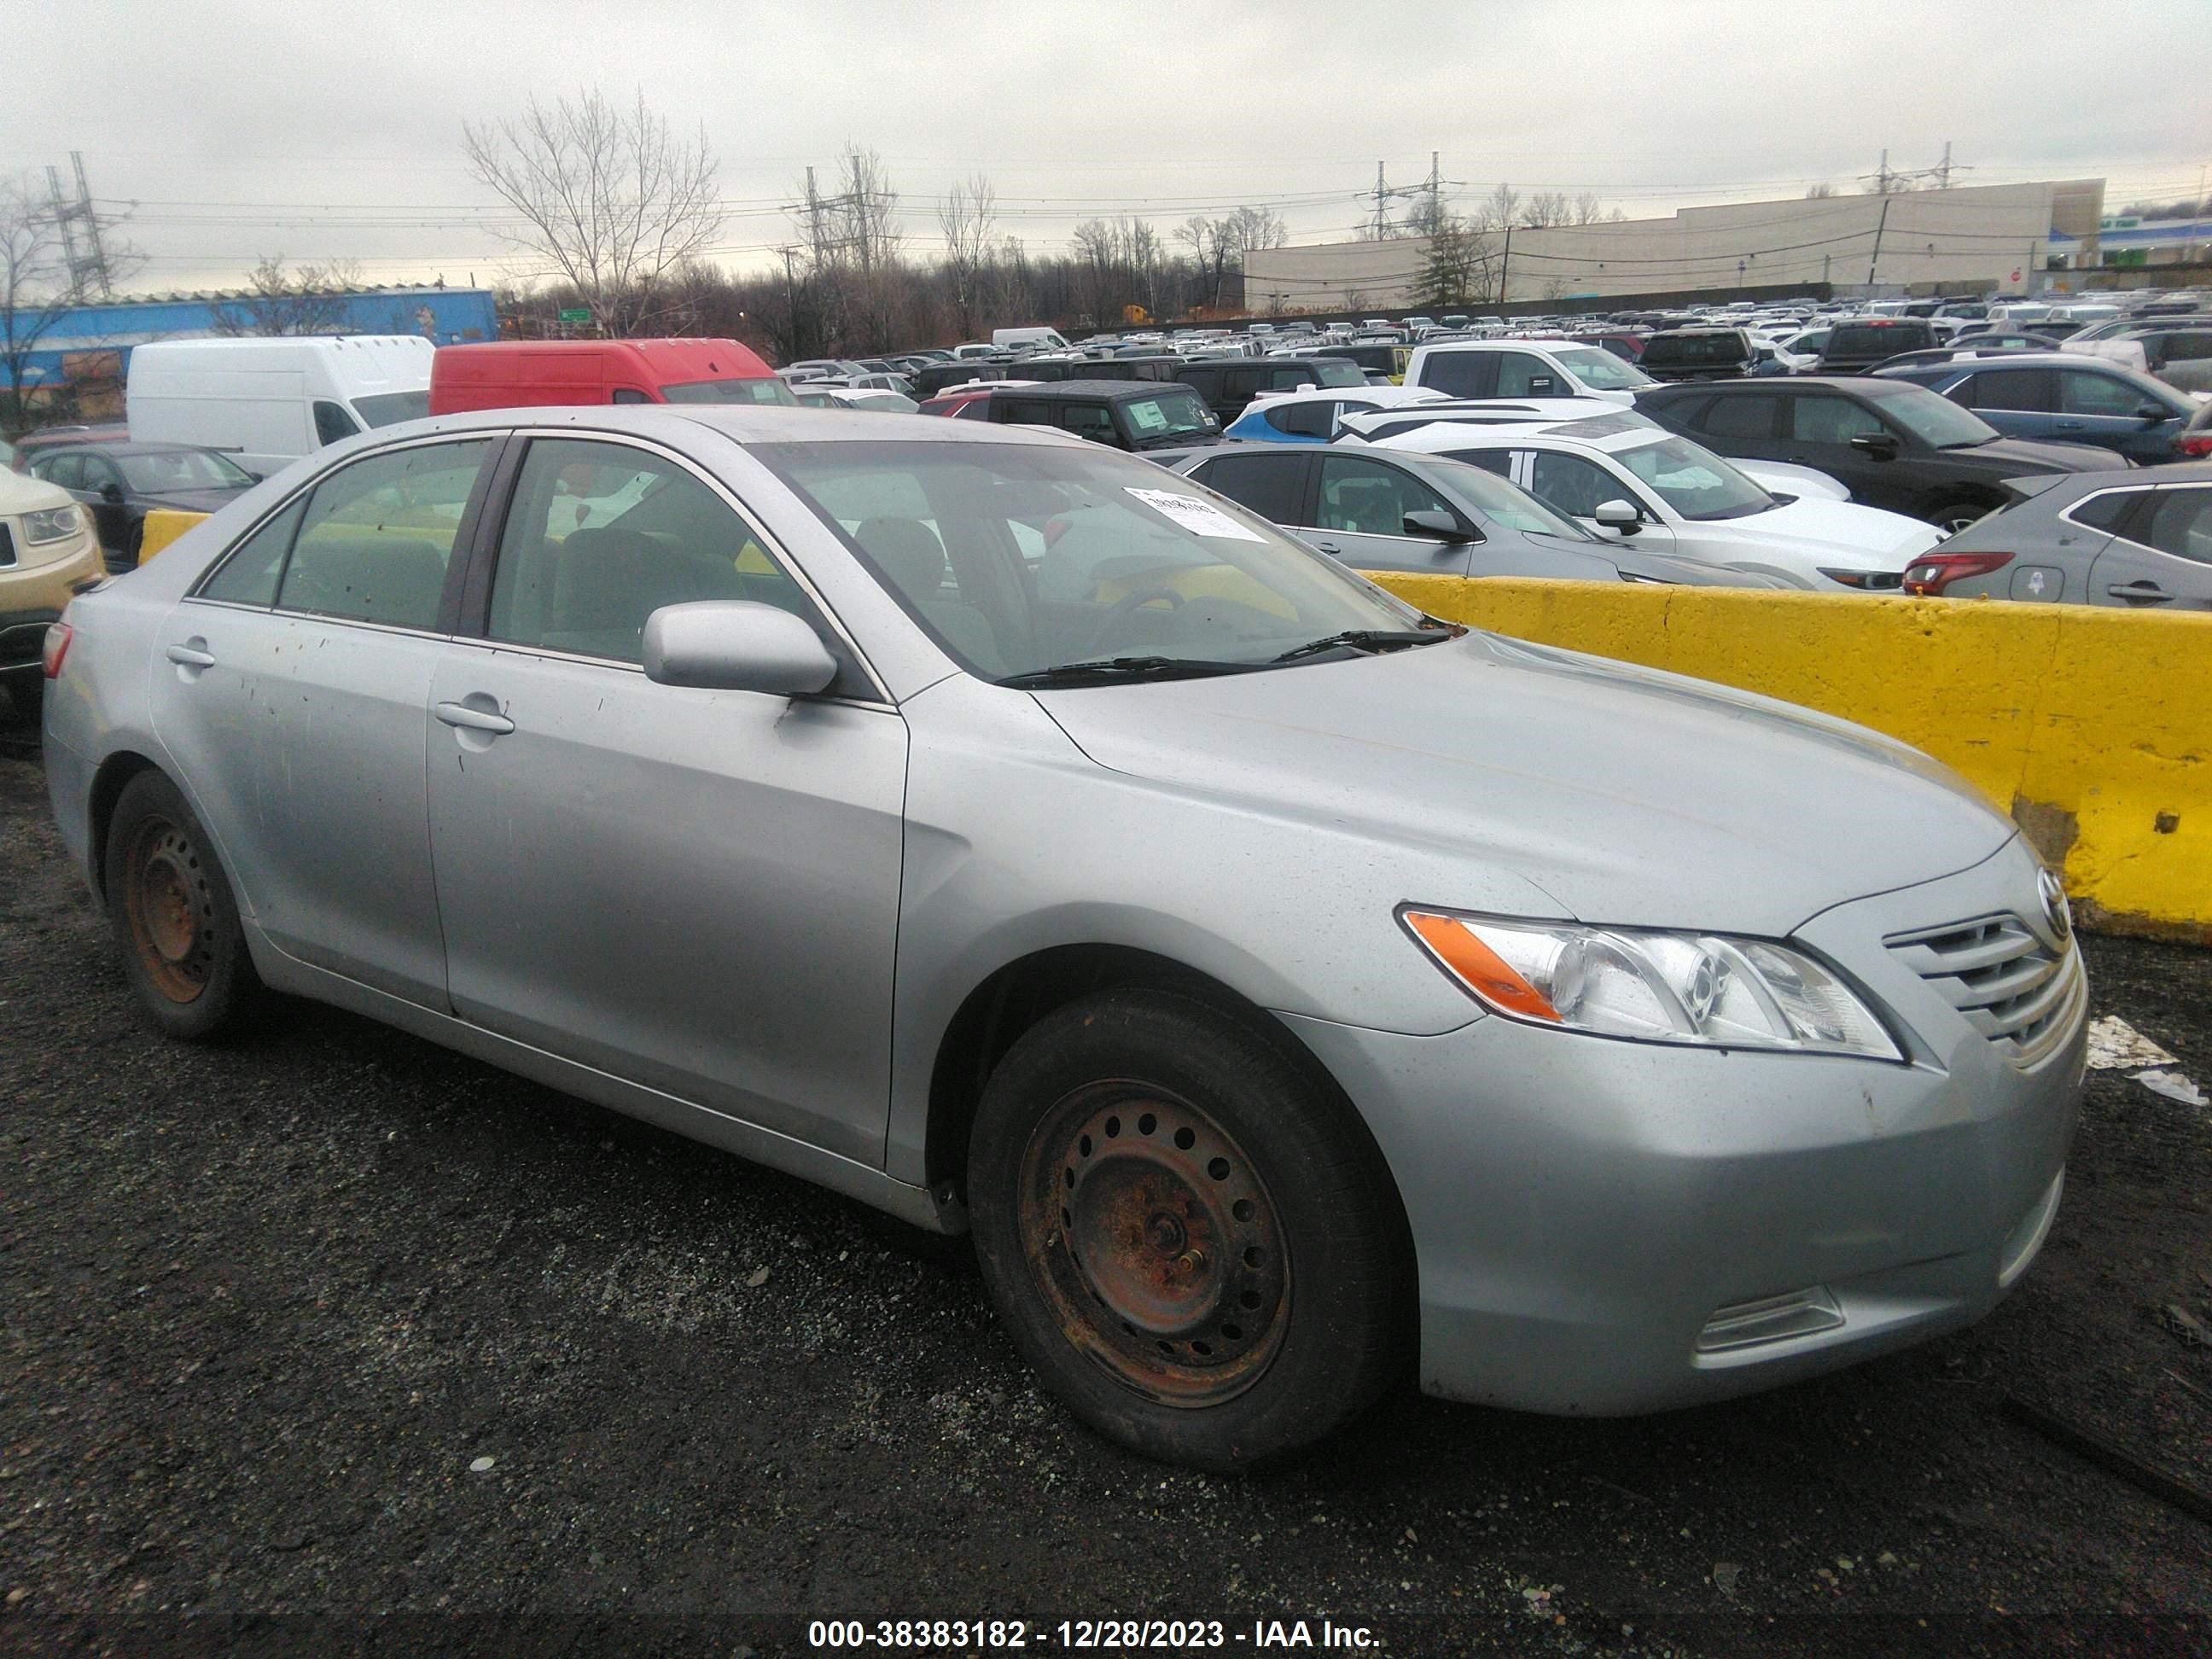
(2173, 1086)
(2117, 1046)
(1200, 518)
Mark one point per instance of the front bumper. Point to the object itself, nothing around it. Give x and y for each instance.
(1588, 1214)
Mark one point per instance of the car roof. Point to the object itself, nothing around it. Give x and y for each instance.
(741, 423)
(1608, 435)
(95, 446)
(1110, 390)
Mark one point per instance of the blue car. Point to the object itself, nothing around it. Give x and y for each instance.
(1317, 416)
(2066, 396)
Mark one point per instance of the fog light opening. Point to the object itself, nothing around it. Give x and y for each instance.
(1770, 1319)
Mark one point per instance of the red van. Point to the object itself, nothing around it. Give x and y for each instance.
(528, 374)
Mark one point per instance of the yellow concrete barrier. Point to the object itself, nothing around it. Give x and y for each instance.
(164, 525)
(2092, 727)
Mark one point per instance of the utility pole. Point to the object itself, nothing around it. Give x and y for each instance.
(1942, 168)
(1382, 208)
(1437, 193)
(1506, 262)
(1880, 225)
(81, 250)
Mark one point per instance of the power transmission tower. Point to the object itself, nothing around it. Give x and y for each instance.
(81, 248)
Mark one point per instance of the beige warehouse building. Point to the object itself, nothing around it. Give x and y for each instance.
(1992, 236)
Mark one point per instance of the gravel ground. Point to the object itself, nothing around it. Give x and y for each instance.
(332, 1338)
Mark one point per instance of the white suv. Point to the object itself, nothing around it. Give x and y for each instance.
(1526, 368)
(1624, 478)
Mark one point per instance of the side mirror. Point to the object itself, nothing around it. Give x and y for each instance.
(734, 645)
(1434, 521)
(1880, 445)
(111, 491)
(2151, 414)
(1619, 515)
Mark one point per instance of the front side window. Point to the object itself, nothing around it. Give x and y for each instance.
(332, 423)
(763, 389)
(1815, 419)
(1519, 374)
(1364, 497)
(66, 470)
(390, 408)
(378, 535)
(1092, 420)
(1168, 417)
(1018, 558)
(601, 536)
(2085, 391)
(1574, 485)
(1594, 366)
(2180, 522)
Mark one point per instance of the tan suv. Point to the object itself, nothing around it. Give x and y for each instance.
(48, 553)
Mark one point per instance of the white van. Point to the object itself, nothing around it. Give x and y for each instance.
(1018, 339)
(265, 402)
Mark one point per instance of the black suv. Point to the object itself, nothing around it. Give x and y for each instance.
(1918, 454)
(1697, 354)
(1135, 415)
(1228, 383)
(1856, 345)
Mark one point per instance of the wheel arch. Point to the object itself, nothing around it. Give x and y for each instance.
(109, 783)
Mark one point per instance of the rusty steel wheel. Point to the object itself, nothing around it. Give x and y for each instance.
(1187, 1228)
(171, 911)
(1156, 1242)
(171, 908)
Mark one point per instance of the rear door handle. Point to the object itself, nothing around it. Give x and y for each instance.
(474, 719)
(2145, 589)
(186, 656)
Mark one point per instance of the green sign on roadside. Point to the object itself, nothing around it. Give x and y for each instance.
(579, 314)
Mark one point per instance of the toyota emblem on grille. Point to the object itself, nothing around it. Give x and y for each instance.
(2055, 910)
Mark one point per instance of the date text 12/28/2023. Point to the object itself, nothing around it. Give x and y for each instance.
(1085, 1635)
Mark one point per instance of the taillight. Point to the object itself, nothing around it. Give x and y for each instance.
(2196, 445)
(1931, 573)
(58, 636)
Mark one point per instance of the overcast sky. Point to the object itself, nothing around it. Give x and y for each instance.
(333, 129)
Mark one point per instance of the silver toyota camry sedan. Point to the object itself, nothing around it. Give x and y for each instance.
(1287, 990)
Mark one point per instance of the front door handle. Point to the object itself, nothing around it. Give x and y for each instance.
(190, 656)
(474, 719)
(2147, 591)
(1328, 547)
(2070, 426)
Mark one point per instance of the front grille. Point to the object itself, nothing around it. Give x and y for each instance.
(6, 547)
(2011, 986)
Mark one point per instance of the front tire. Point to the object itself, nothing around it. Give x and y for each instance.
(174, 919)
(1953, 516)
(1191, 1239)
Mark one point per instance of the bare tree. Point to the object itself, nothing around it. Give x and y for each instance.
(608, 196)
(1589, 210)
(1820, 192)
(38, 285)
(310, 299)
(968, 217)
(1547, 208)
(1220, 245)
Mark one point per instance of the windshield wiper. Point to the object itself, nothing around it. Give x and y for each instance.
(1124, 668)
(1369, 639)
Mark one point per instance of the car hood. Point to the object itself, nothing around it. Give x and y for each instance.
(2030, 456)
(193, 500)
(21, 493)
(1627, 796)
(1840, 532)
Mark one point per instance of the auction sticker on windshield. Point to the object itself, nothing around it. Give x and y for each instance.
(1200, 518)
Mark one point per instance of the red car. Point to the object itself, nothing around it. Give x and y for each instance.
(527, 374)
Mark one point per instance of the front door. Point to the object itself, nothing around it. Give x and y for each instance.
(1818, 430)
(695, 890)
(290, 688)
(1358, 517)
(2162, 558)
(1577, 486)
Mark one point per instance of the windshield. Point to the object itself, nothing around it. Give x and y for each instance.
(1593, 366)
(390, 408)
(1019, 558)
(1934, 419)
(182, 468)
(1171, 417)
(1507, 504)
(1693, 481)
(761, 389)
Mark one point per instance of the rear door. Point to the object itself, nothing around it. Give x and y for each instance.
(291, 687)
(2020, 402)
(1272, 482)
(2160, 558)
(695, 890)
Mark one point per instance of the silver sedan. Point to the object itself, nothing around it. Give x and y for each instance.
(1288, 990)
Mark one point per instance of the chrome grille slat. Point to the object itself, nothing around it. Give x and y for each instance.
(2010, 985)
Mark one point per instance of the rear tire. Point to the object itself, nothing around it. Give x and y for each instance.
(1191, 1239)
(174, 919)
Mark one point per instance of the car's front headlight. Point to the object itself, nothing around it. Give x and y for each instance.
(53, 523)
(1700, 988)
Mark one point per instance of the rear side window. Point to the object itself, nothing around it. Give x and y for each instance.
(2180, 522)
(378, 535)
(1694, 350)
(1741, 418)
(1267, 484)
(1462, 374)
(1313, 418)
(249, 575)
(2025, 391)
(2106, 511)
